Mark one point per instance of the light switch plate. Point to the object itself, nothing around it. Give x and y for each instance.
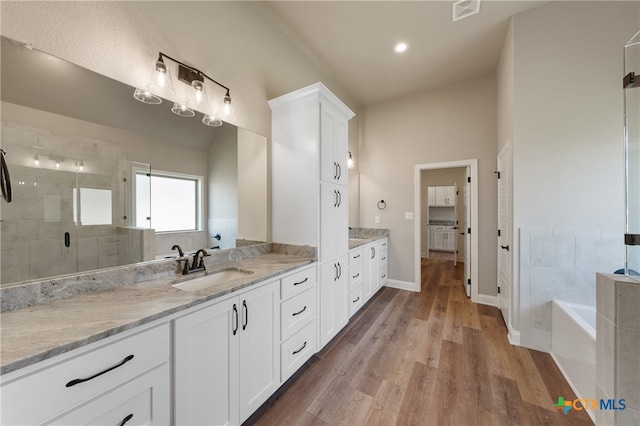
(376, 219)
(408, 215)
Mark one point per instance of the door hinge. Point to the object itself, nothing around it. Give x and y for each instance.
(469, 281)
(498, 290)
(469, 231)
(498, 232)
(498, 173)
(468, 179)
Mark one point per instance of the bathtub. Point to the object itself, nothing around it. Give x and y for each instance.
(573, 346)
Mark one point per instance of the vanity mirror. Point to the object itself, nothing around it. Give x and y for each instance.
(87, 160)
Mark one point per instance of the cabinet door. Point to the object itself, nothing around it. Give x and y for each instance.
(440, 196)
(438, 240)
(333, 146)
(206, 354)
(431, 195)
(259, 346)
(450, 195)
(334, 221)
(450, 241)
(145, 400)
(334, 298)
(370, 281)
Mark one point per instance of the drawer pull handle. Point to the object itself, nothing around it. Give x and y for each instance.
(78, 381)
(125, 420)
(300, 350)
(302, 282)
(384, 276)
(299, 312)
(356, 275)
(384, 258)
(356, 256)
(245, 309)
(235, 310)
(357, 298)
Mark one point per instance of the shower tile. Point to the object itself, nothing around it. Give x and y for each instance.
(578, 233)
(628, 366)
(604, 417)
(605, 360)
(628, 305)
(627, 417)
(553, 252)
(606, 301)
(599, 255)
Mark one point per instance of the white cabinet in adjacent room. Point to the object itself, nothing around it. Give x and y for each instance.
(441, 196)
(227, 358)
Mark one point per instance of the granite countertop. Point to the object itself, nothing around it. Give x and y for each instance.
(41, 331)
(361, 236)
(442, 222)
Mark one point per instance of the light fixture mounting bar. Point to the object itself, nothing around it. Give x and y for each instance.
(187, 73)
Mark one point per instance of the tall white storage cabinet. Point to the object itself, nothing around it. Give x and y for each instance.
(310, 190)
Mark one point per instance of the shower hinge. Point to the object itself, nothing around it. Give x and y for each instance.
(629, 81)
(498, 232)
(632, 239)
(498, 290)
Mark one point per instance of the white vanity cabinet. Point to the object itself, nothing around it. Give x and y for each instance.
(310, 190)
(334, 295)
(227, 357)
(374, 266)
(298, 320)
(123, 378)
(356, 280)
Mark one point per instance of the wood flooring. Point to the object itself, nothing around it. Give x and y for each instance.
(429, 358)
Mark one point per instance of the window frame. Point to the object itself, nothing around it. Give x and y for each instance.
(199, 180)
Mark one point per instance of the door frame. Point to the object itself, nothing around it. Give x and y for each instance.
(417, 194)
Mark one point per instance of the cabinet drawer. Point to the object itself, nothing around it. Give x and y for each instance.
(297, 350)
(296, 312)
(356, 300)
(383, 256)
(355, 255)
(355, 275)
(143, 401)
(298, 282)
(47, 393)
(383, 276)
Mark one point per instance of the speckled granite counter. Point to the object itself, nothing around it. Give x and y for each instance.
(361, 236)
(35, 333)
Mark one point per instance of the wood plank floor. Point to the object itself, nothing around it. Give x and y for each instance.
(429, 358)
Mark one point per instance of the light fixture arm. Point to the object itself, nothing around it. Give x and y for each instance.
(190, 73)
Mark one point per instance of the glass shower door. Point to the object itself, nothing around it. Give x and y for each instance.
(631, 84)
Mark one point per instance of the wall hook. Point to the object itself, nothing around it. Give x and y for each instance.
(382, 205)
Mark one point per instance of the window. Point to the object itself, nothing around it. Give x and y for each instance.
(167, 202)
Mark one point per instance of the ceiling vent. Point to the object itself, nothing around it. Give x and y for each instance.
(464, 8)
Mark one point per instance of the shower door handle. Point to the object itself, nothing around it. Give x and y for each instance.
(505, 247)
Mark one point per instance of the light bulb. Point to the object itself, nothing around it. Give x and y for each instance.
(36, 160)
(198, 99)
(57, 164)
(350, 161)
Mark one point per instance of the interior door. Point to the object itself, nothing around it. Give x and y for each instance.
(467, 238)
(504, 231)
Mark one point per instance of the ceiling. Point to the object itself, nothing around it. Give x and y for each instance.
(353, 42)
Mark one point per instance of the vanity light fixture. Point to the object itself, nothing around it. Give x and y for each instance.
(161, 84)
(350, 161)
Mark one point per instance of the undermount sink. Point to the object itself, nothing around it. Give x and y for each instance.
(212, 279)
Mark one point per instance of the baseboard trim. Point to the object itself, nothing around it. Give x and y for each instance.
(401, 285)
(513, 336)
(483, 299)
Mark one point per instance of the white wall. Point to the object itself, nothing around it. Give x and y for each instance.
(252, 186)
(231, 41)
(456, 122)
(561, 69)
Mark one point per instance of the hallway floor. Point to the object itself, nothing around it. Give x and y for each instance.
(429, 358)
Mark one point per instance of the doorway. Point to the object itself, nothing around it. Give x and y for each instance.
(462, 175)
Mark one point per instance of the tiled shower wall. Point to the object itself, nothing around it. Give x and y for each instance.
(34, 223)
(561, 264)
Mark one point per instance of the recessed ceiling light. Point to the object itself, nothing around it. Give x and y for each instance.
(400, 47)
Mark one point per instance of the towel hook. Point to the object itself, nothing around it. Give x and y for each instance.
(382, 205)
